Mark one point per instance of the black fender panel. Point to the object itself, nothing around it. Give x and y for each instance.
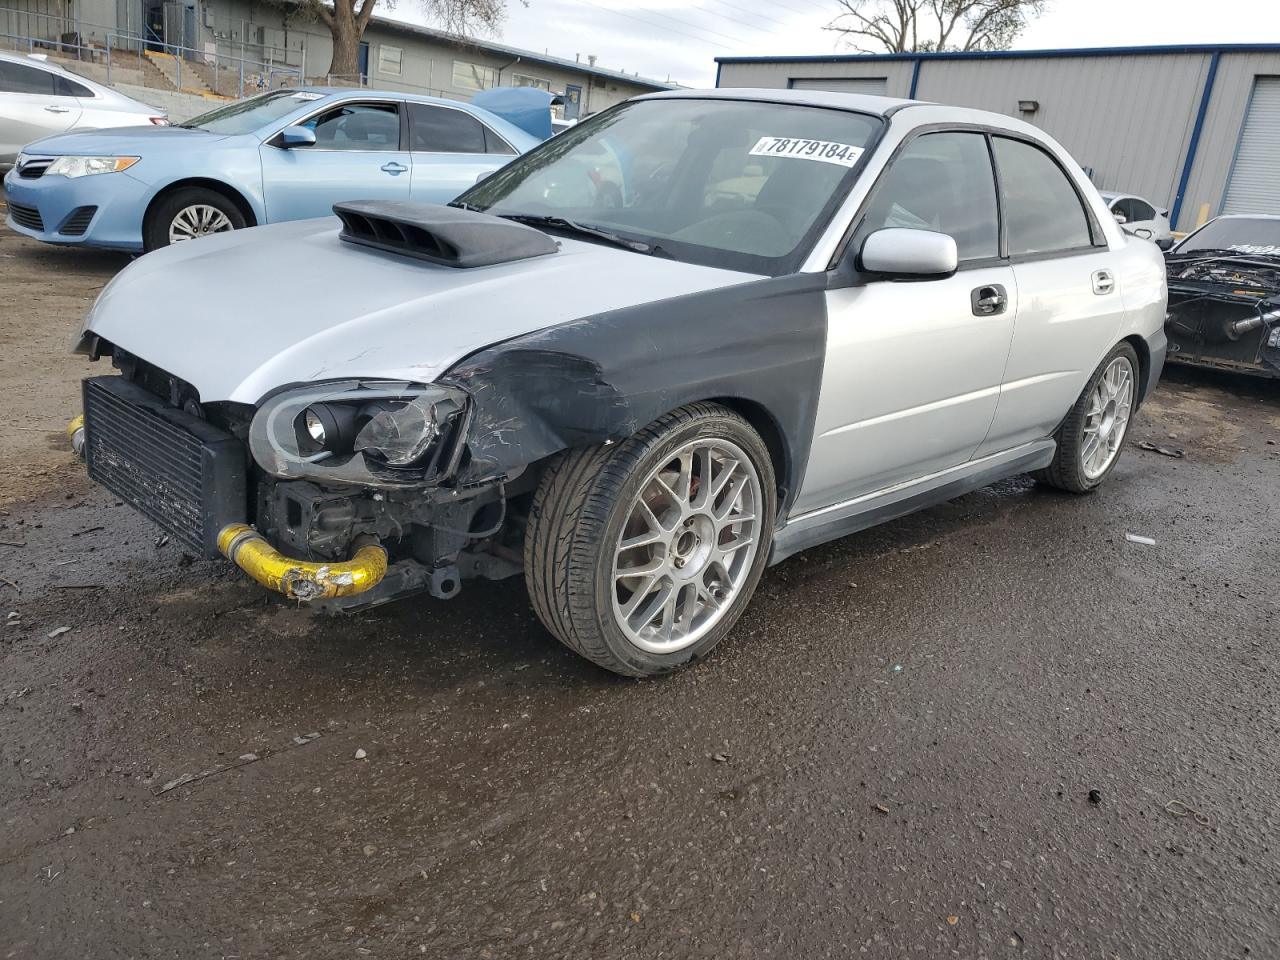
(604, 377)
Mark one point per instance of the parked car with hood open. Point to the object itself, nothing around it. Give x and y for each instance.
(283, 155)
(638, 405)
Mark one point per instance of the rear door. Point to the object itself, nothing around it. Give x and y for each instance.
(1069, 304)
(357, 155)
(913, 367)
(451, 150)
(33, 104)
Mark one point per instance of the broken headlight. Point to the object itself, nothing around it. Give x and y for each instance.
(375, 433)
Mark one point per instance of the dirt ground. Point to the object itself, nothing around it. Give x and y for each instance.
(893, 755)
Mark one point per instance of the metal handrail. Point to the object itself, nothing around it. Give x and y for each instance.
(267, 73)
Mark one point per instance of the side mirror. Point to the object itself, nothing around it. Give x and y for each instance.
(297, 137)
(903, 252)
(1120, 217)
(482, 177)
(1165, 243)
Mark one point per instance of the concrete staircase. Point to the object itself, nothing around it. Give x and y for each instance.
(183, 79)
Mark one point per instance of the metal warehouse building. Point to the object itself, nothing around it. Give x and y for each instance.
(1195, 129)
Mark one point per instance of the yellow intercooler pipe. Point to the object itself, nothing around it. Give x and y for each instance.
(302, 579)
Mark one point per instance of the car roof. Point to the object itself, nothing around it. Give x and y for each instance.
(39, 63)
(1247, 216)
(915, 111)
(858, 102)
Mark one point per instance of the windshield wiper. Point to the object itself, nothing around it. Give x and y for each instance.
(571, 226)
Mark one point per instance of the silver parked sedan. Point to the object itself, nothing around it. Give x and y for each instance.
(800, 314)
(39, 99)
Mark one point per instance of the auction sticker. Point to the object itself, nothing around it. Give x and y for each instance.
(828, 151)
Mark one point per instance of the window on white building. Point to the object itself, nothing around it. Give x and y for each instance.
(390, 60)
(521, 80)
(473, 76)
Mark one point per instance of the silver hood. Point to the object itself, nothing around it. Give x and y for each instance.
(241, 314)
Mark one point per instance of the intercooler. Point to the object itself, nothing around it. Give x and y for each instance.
(181, 471)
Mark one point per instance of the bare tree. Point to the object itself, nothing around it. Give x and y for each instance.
(347, 20)
(900, 26)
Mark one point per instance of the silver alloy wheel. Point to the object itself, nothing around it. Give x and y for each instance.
(198, 220)
(1107, 419)
(687, 546)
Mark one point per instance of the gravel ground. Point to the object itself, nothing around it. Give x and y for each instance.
(893, 755)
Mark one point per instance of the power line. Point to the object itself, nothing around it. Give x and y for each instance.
(751, 13)
(736, 41)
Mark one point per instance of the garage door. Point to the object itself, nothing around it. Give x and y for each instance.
(876, 86)
(1255, 177)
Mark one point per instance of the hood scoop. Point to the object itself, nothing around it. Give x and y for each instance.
(446, 235)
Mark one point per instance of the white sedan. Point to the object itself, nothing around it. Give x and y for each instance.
(39, 99)
(1140, 218)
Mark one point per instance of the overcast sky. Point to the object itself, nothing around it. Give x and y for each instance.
(679, 39)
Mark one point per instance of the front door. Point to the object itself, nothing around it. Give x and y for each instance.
(357, 156)
(913, 368)
(572, 101)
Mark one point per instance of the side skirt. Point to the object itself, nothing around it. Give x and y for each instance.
(841, 519)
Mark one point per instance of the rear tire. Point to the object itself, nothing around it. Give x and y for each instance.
(688, 504)
(1091, 438)
(187, 213)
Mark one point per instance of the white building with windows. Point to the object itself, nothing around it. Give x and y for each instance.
(393, 55)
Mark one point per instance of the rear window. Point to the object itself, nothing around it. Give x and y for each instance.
(19, 78)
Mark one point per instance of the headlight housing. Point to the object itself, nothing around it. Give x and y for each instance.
(372, 433)
(74, 167)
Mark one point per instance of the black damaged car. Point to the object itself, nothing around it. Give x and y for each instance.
(1224, 296)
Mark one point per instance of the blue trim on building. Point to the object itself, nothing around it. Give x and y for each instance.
(915, 77)
(1190, 162)
(1016, 54)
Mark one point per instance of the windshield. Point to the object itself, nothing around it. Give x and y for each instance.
(732, 184)
(1246, 236)
(246, 116)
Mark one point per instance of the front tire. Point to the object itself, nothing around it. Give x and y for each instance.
(1092, 436)
(189, 213)
(641, 556)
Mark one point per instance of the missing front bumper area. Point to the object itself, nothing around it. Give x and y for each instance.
(303, 579)
(336, 548)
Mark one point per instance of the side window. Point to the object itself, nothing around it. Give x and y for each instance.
(943, 182)
(358, 126)
(1043, 213)
(444, 130)
(1141, 210)
(17, 78)
(69, 88)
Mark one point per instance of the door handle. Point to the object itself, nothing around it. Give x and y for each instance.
(58, 109)
(393, 168)
(1104, 281)
(989, 300)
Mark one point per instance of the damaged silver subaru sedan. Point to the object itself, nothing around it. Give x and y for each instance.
(675, 344)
